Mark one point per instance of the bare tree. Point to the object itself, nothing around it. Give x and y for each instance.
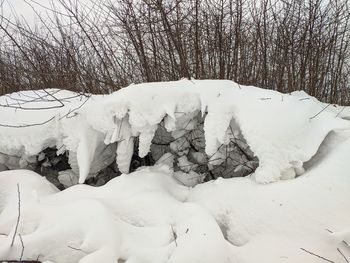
(284, 45)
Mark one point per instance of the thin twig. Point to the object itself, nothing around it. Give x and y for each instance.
(325, 259)
(174, 234)
(74, 110)
(27, 125)
(330, 231)
(347, 261)
(22, 251)
(30, 108)
(340, 111)
(320, 112)
(19, 214)
(77, 249)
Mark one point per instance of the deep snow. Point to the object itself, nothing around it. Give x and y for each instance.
(158, 215)
(283, 130)
(137, 217)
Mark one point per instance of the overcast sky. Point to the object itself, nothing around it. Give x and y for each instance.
(23, 8)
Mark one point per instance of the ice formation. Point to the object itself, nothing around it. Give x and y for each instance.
(283, 130)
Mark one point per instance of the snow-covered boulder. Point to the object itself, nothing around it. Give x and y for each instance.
(279, 132)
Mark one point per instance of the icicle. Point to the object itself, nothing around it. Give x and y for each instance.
(85, 152)
(125, 150)
(145, 139)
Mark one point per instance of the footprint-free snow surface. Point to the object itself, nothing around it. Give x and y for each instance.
(150, 215)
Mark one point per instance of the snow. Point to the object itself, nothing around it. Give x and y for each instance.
(277, 220)
(150, 216)
(156, 214)
(283, 130)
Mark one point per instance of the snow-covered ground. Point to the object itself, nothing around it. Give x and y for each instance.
(152, 216)
(147, 216)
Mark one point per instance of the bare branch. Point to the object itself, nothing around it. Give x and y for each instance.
(311, 253)
(347, 261)
(174, 234)
(19, 214)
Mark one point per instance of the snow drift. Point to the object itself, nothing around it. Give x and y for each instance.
(282, 130)
(149, 216)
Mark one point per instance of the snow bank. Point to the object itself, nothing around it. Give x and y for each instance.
(282, 130)
(140, 217)
(149, 216)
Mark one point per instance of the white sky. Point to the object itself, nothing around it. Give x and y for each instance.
(23, 9)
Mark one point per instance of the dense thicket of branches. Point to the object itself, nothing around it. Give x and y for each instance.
(284, 45)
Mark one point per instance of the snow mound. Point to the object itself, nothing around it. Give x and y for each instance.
(141, 217)
(282, 130)
(149, 216)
